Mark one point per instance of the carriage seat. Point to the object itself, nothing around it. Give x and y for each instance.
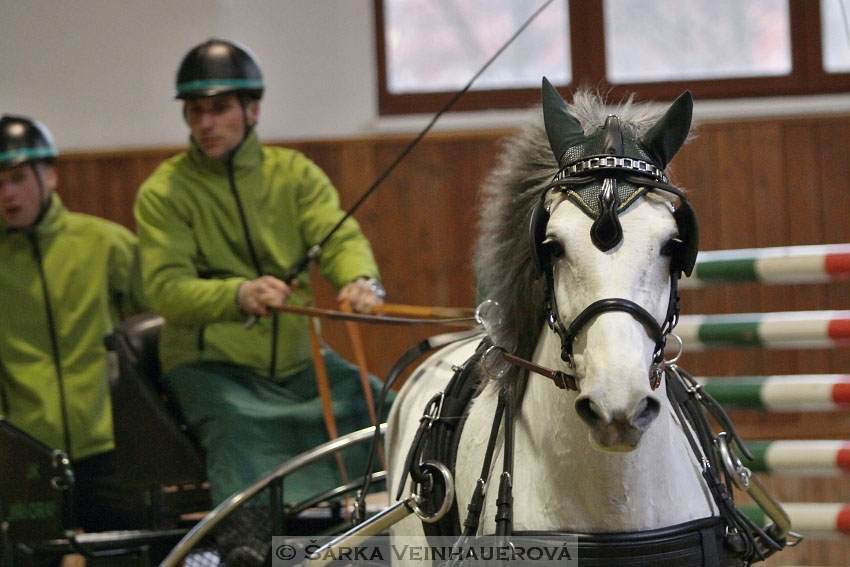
(153, 445)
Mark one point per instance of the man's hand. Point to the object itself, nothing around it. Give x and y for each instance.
(363, 295)
(261, 296)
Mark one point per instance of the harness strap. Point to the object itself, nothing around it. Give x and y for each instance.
(409, 357)
(474, 508)
(411, 467)
(446, 431)
(505, 499)
(745, 537)
(423, 311)
(710, 553)
(697, 543)
(561, 379)
(437, 439)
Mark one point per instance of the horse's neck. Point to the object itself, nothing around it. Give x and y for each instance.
(581, 487)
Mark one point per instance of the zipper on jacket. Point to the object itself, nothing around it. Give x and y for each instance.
(201, 342)
(255, 259)
(54, 342)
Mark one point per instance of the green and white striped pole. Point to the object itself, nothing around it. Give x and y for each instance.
(786, 329)
(800, 457)
(811, 519)
(788, 392)
(782, 265)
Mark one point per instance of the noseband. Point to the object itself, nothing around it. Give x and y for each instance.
(656, 332)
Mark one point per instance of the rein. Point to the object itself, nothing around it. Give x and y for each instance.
(393, 315)
(397, 314)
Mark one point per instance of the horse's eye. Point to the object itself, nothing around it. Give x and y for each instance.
(554, 247)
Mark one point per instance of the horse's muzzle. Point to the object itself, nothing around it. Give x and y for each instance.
(619, 430)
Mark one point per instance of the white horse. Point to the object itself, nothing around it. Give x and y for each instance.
(611, 457)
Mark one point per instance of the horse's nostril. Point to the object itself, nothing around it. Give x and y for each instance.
(648, 410)
(589, 412)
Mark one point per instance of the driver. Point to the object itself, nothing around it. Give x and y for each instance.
(220, 227)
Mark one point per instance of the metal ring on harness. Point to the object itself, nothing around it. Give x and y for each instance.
(486, 369)
(676, 358)
(448, 499)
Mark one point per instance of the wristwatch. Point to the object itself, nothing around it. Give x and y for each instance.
(374, 285)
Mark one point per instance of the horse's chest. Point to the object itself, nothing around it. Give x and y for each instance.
(540, 463)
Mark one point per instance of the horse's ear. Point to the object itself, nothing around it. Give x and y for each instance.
(562, 128)
(665, 138)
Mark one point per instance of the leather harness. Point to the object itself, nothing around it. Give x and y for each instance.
(730, 539)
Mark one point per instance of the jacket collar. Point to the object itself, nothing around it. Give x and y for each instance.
(247, 155)
(50, 223)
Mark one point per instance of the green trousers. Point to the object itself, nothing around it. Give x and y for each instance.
(249, 424)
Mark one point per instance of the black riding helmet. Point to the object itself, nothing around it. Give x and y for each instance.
(218, 66)
(23, 140)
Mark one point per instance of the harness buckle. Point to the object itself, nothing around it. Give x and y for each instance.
(656, 373)
(433, 410)
(550, 320)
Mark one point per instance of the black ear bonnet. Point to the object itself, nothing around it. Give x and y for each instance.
(606, 172)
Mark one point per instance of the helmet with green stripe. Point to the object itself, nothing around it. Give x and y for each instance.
(23, 140)
(216, 67)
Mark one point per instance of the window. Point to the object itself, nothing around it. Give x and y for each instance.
(658, 41)
(443, 43)
(835, 23)
(429, 49)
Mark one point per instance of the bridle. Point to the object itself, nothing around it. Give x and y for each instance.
(606, 232)
(657, 332)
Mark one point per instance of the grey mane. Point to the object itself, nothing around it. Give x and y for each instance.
(503, 261)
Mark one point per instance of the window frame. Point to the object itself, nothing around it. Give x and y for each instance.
(586, 25)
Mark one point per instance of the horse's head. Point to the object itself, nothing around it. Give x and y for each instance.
(608, 310)
(609, 239)
(611, 261)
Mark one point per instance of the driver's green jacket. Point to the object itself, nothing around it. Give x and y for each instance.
(207, 225)
(63, 286)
